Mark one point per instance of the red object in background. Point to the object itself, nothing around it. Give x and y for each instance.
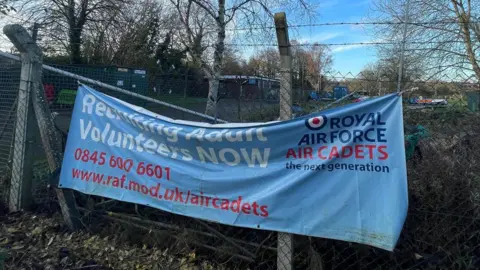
(49, 92)
(360, 99)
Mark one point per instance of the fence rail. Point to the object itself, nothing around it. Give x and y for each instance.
(442, 230)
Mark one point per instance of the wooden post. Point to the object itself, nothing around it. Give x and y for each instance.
(50, 136)
(284, 240)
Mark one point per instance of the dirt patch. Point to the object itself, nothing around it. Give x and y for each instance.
(41, 241)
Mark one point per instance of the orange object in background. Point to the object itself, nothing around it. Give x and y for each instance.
(424, 101)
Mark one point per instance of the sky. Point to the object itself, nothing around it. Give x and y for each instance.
(346, 58)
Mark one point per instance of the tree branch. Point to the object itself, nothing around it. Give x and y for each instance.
(234, 10)
(204, 7)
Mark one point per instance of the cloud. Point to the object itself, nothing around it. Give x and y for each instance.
(349, 47)
(320, 37)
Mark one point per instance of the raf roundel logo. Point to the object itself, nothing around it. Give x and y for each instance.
(316, 123)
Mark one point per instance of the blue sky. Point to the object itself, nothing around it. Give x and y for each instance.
(347, 58)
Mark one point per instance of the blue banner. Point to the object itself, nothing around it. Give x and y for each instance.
(338, 174)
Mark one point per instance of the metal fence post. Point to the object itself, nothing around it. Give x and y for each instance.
(31, 92)
(284, 240)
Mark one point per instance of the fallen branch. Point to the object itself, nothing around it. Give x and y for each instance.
(178, 228)
(86, 267)
(105, 203)
(227, 239)
(180, 238)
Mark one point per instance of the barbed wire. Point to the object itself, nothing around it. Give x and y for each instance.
(345, 43)
(326, 24)
(308, 44)
(423, 224)
(356, 24)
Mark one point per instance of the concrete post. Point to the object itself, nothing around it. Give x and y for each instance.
(284, 240)
(31, 91)
(286, 94)
(20, 196)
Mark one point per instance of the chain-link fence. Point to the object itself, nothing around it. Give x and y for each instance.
(9, 84)
(441, 121)
(440, 138)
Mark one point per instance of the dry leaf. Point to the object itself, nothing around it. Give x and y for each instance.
(51, 240)
(17, 247)
(192, 256)
(12, 230)
(37, 230)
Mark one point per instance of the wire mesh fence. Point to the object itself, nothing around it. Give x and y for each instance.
(9, 83)
(442, 224)
(441, 119)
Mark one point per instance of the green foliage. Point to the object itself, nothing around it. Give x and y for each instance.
(268, 114)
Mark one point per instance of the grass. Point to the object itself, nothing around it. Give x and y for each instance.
(268, 114)
(180, 100)
(315, 106)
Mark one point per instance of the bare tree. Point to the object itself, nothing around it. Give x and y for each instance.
(66, 20)
(319, 62)
(265, 63)
(467, 16)
(220, 14)
(197, 29)
(367, 79)
(443, 37)
(310, 62)
(233, 64)
(136, 34)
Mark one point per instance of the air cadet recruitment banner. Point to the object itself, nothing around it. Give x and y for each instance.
(338, 174)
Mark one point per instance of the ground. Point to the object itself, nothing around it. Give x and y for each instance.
(32, 240)
(443, 196)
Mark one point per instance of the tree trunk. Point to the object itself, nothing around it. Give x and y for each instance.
(75, 40)
(465, 24)
(74, 33)
(214, 80)
(470, 51)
